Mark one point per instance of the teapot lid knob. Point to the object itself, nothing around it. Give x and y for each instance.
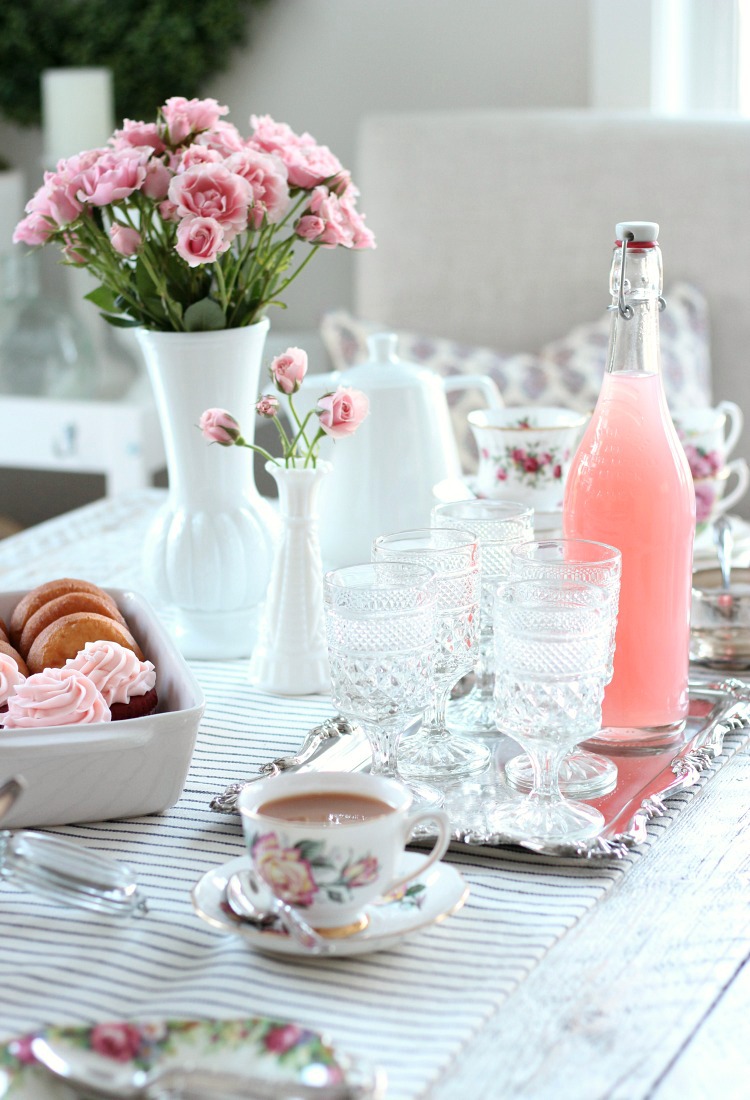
(382, 347)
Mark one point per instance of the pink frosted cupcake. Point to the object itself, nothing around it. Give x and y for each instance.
(55, 697)
(10, 677)
(127, 685)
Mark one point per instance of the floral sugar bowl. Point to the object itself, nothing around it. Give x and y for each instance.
(525, 453)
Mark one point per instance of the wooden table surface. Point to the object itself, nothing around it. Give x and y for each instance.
(648, 996)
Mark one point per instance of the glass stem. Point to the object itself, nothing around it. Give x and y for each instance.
(384, 741)
(434, 717)
(545, 762)
(485, 676)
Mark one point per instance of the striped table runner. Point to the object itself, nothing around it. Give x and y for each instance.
(410, 1009)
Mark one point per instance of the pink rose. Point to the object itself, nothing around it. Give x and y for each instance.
(285, 1037)
(310, 227)
(531, 465)
(136, 135)
(200, 240)
(212, 191)
(307, 162)
(267, 178)
(119, 1041)
(158, 178)
(362, 237)
(34, 229)
(267, 405)
(518, 455)
(362, 872)
(194, 154)
(337, 229)
(342, 412)
(557, 472)
(189, 116)
(288, 369)
(114, 176)
(56, 199)
(219, 426)
(21, 1049)
(284, 869)
(124, 240)
(501, 475)
(224, 137)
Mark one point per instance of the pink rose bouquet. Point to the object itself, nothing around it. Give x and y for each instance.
(187, 224)
(339, 414)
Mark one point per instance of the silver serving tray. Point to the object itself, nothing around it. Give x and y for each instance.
(645, 780)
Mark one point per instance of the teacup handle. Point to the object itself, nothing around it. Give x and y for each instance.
(439, 848)
(481, 382)
(735, 422)
(739, 467)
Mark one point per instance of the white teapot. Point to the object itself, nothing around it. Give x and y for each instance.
(383, 475)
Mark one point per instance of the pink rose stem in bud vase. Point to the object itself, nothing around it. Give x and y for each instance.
(630, 486)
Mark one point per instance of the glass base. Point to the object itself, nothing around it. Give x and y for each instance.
(582, 775)
(532, 819)
(474, 714)
(637, 739)
(441, 756)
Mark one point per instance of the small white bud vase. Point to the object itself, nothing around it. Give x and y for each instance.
(291, 657)
(208, 553)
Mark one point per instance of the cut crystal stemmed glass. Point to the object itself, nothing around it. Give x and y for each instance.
(435, 752)
(498, 525)
(551, 643)
(583, 774)
(380, 627)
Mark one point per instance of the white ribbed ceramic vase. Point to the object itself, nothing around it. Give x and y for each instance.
(291, 657)
(208, 553)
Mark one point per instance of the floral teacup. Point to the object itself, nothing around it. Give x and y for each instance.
(329, 843)
(711, 497)
(709, 436)
(525, 453)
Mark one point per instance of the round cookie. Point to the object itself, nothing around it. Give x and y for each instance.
(40, 595)
(67, 605)
(67, 636)
(6, 647)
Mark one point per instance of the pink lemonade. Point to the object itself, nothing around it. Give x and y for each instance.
(630, 486)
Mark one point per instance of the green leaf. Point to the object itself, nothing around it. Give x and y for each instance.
(204, 316)
(120, 322)
(103, 298)
(143, 281)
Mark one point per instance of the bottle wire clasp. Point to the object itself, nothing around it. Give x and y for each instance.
(625, 310)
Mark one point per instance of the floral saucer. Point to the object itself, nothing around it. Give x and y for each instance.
(271, 1050)
(429, 899)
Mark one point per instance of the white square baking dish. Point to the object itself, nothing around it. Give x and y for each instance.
(109, 770)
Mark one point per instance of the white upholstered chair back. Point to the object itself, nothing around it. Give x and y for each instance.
(495, 227)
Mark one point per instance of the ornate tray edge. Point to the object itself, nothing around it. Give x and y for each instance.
(695, 757)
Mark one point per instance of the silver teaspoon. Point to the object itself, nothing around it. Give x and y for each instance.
(724, 543)
(9, 792)
(248, 897)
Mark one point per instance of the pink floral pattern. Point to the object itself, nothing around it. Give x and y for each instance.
(298, 872)
(532, 466)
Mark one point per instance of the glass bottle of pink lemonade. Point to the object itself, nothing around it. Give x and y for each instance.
(630, 486)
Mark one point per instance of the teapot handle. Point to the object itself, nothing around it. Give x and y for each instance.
(492, 395)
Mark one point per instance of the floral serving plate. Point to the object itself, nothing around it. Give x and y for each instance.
(259, 1047)
(429, 898)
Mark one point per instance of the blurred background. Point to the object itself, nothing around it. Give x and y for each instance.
(322, 66)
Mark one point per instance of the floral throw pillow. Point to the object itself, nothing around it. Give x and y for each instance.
(567, 371)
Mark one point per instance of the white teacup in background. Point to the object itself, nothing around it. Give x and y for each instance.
(711, 496)
(525, 452)
(709, 436)
(329, 843)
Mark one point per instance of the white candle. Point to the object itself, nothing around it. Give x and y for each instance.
(12, 199)
(77, 111)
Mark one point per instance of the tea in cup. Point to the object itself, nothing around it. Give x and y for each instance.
(525, 453)
(329, 843)
(711, 496)
(709, 436)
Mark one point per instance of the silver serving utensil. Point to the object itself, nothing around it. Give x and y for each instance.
(724, 543)
(249, 898)
(338, 726)
(9, 792)
(94, 1075)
